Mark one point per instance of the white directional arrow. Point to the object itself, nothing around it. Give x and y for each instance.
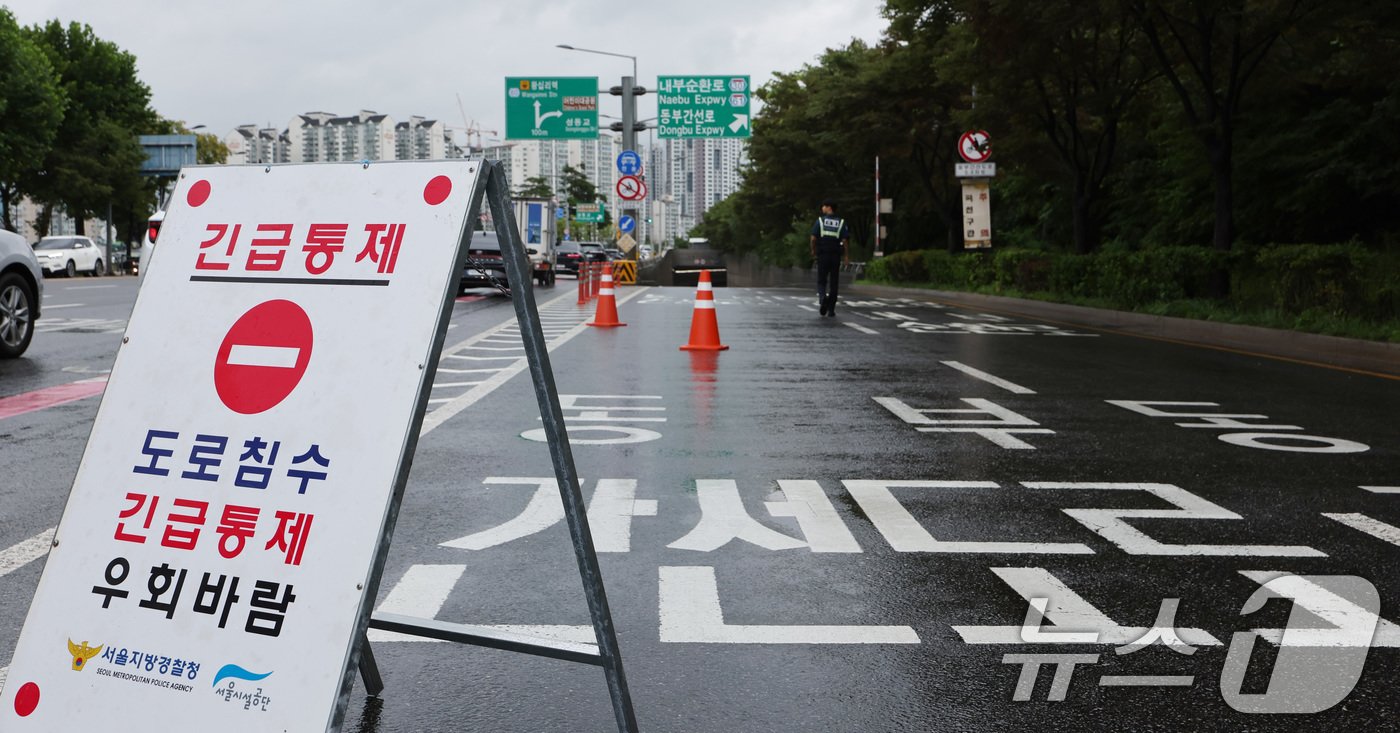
(540, 118)
(740, 122)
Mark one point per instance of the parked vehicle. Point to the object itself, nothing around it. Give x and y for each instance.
(21, 291)
(148, 244)
(69, 255)
(484, 268)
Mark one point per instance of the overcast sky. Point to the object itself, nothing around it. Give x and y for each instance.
(223, 64)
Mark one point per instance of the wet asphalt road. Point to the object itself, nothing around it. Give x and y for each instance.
(835, 525)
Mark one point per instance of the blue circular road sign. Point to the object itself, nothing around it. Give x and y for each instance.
(626, 224)
(629, 163)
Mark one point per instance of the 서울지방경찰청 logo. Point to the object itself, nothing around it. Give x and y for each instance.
(82, 653)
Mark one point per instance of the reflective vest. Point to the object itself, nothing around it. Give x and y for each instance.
(830, 227)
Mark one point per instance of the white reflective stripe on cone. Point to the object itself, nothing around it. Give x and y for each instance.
(704, 305)
(705, 285)
(605, 291)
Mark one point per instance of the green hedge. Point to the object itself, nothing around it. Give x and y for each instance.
(1333, 280)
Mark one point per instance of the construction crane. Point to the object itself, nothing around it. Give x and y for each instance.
(473, 128)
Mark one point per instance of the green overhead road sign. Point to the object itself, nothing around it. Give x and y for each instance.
(588, 213)
(551, 108)
(702, 106)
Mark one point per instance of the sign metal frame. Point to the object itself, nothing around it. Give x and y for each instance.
(607, 654)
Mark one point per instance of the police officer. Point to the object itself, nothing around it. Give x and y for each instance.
(831, 240)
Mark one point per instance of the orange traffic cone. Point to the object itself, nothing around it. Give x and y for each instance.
(704, 327)
(606, 315)
(583, 283)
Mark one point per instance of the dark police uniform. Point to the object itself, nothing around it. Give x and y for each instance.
(831, 234)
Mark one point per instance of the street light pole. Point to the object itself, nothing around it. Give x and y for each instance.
(628, 91)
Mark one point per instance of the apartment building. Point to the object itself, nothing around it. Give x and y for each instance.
(597, 158)
(249, 144)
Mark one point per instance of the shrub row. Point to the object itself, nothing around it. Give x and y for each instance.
(1333, 279)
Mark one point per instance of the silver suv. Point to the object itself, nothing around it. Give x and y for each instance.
(21, 289)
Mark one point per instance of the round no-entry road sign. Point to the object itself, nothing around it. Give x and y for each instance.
(263, 357)
(975, 146)
(631, 188)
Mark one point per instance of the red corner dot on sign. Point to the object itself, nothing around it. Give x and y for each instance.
(199, 193)
(437, 190)
(27, 699)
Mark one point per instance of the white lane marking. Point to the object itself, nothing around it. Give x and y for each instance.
(437, 385)
(1382, 489)
(861, 328)
(91, 287)
(807, 308)
(423, 591)
(691, 614)
(989, 379)
(475, 394)
(284, 357)
(28, 551)
(63, 305)
(1374, 527)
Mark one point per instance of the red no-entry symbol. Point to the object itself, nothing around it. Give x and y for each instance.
(263, 357)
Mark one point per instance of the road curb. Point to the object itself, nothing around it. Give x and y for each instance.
(1373, 357)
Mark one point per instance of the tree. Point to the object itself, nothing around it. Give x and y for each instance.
(95, 159)
(1209, 51)
(922, 96)
(1069, 69)
(536, 187)
(31, 108)
(579, 190)
(577, 187)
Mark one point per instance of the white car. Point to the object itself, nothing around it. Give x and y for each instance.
(148, 244)
(70, 255)
(21, 289)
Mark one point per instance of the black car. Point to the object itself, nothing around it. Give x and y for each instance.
(484, 268)
(594, 251)
(567, 257)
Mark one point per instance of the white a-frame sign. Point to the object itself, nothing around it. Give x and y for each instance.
(218, 559)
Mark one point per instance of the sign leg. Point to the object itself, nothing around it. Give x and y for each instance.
(521, 295)
(369, 670)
